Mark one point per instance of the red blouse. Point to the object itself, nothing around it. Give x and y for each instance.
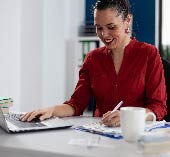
(140, 81)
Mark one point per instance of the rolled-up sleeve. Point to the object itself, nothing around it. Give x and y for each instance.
(155, 85)
(82, 93)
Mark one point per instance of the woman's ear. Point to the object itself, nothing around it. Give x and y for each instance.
(129, 20)
(128, 23)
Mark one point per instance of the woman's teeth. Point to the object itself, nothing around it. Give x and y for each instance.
(108, 41)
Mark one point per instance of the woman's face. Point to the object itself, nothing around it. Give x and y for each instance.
(110, 27)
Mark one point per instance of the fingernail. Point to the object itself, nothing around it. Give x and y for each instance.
(22, 119)
(41, 118)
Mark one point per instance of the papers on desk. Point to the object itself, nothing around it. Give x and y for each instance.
(90, 141)
(115, 132)
(150, 125)
(101, 129)
(157, 141)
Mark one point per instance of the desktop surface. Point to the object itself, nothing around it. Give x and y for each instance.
(57, 143)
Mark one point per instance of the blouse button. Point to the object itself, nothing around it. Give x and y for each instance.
(115, 84)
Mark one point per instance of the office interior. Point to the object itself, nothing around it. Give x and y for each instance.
(39, 44)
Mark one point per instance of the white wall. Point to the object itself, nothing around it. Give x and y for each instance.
(61, 21)
(54, 52)
(10, 49)
(37, 43)
(31, 53)
(165, 22)
(74, 17)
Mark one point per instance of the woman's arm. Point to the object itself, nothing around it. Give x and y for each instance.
(63, 110)
(155, 85)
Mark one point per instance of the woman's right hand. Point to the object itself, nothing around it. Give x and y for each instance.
(62, 110)
(39, 113)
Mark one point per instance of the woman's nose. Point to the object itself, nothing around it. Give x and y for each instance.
(104, 33)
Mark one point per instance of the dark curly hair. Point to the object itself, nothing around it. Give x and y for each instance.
(122, 6)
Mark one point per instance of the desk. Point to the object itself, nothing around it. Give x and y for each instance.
(54, 143)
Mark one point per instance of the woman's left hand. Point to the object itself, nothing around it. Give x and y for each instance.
(111, 119)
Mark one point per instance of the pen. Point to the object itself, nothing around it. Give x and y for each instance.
(117, 106)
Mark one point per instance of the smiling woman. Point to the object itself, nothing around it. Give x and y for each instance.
(118, 27)
(107, 72)
(112, 21)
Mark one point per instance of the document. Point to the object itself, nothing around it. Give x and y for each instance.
(156, 141)
(115, 132)
(101, 129)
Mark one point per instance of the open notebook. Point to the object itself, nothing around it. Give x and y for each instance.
(115, 132)
(12, 124)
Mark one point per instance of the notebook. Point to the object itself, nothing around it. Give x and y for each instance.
(11, 123)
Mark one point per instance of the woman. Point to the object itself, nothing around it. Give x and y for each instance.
(124, 70)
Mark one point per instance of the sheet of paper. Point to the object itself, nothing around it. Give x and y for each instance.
(115, 132)
(92, 141)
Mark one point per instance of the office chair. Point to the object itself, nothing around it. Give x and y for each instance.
(92, 105)
(166, 66)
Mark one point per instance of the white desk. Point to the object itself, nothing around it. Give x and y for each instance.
(55, 144)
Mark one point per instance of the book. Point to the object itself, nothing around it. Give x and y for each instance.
(5, 110)
(5, 103)
(6, 100)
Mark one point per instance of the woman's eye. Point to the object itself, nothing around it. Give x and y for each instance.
(111, 27)
(99, 28)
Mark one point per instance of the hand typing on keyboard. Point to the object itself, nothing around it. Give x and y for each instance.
(15, 119)
(36, 119)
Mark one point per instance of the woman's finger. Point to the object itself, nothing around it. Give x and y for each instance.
(25, 116)
(45, 116)
(113, 119)
(106, 116)
(34, 114)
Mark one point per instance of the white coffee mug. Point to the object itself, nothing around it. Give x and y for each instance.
(132, 122)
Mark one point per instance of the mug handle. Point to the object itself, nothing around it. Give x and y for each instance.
(152, 114)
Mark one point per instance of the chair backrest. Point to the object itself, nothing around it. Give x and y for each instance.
(92, 105)
(166, 66)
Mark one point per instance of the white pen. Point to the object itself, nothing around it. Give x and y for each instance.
(117, 106)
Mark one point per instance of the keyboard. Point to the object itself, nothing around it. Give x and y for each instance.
(15, 119)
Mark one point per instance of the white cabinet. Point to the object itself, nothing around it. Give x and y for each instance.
(85, 45)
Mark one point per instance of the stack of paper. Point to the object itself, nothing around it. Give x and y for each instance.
(101, 129)
(5, 103)
(115, 132)
(156, 141)
(151, 125)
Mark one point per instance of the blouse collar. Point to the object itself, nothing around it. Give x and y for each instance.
(130, 45)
